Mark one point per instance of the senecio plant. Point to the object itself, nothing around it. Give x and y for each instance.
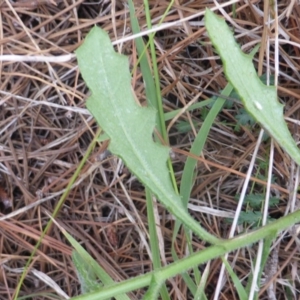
(130, 130)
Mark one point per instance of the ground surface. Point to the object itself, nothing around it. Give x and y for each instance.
(45, 131)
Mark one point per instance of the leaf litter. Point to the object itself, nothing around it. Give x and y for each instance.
(32, 169)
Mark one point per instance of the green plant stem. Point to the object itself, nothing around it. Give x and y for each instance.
(196, 258)
(153, 100)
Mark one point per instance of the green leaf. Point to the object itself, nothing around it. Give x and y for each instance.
(236, 281)
(249, 217)
(88, 270)
(85, 274)
(259, 99)
(129, 126)
(244, 118)
(255, 200)
(184, 126)
(170, 115)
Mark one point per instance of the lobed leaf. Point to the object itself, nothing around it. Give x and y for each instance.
(259, 99)
(129, 126)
